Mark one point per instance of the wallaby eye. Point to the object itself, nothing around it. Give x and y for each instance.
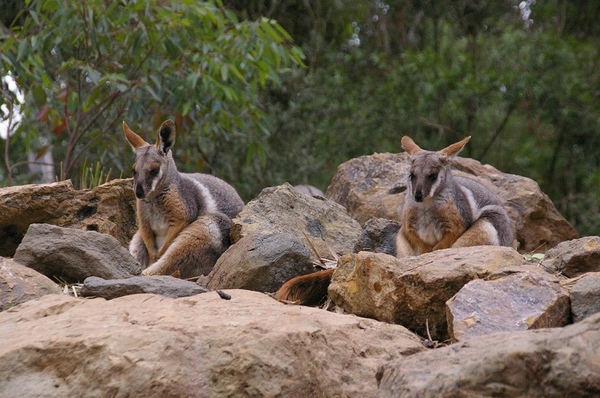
(412, 176)
(154, 172)
(133, 172)
(432, 177)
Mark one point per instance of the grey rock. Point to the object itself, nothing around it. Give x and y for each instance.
(157, 284)
(72, 255)
(585, 296)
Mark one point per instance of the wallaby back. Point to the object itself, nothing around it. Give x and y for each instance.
(169, 202)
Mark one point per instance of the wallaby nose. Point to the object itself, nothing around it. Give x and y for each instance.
(419, 196)
(139, 192)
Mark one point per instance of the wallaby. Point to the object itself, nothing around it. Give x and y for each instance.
(440, 211)
(183, 219)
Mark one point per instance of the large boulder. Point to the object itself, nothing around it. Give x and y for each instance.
(72, 255)
(585, 296)
(280, 235)
(108, 208)
(544, 363)
(200, 346)
(413, 291)
(374, 187)
(19, 284)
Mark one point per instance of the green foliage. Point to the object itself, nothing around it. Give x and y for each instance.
(85, 66)
(93, 175)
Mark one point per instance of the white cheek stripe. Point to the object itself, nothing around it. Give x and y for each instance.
(435, 186)
(156, 179)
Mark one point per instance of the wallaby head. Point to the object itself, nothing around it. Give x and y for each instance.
(154, 166)
(428, 170)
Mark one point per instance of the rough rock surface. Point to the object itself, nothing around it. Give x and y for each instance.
(374, 187)
(72, 255)
(413, 291)
(379, 236)
(108, 208)
(164, 285)
(528, 299)
(545, 363)
(585, 296)
(19, 284)
(276, 236)
(200, 346)
(575, 257)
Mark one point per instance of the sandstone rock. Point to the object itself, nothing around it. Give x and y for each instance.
(19, 284)
(274, 238)
(528, 299)
(545, 363)
(72, 255)
(109, 208)
(373, 187)
(413, 291)
(199, 346)
(575, 257)
(585, 296)
(164, 285)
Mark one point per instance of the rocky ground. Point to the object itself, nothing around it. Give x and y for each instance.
(76, 319)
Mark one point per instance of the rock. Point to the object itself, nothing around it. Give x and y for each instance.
(154, 346)
(19, 284)
(374, 187)
(109, 209)
(575, 257)
(309, 190)
(164, 285)
(413, 291)
(585, 296)
(560, 362)
(274, 238)
(528, 299)
(261, 262)
(72, 255)
(378, 236)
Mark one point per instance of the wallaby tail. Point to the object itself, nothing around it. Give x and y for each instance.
(310, 289)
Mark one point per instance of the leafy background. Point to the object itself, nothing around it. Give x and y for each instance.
(270, 91)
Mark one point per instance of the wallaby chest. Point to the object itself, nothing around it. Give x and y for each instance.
(431, 219)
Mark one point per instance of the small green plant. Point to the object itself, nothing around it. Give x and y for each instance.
(93, 175)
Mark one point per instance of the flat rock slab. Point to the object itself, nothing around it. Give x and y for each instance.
(201, 346)
(528, 299)
(544, 363)
(164, 285)
(73, 255)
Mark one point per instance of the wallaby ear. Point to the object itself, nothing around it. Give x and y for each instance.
(134, 140)
(409, 145)
(455, 148)
(166, 136)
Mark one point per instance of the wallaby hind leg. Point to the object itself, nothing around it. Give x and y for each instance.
(196, 249)
(482, 232)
